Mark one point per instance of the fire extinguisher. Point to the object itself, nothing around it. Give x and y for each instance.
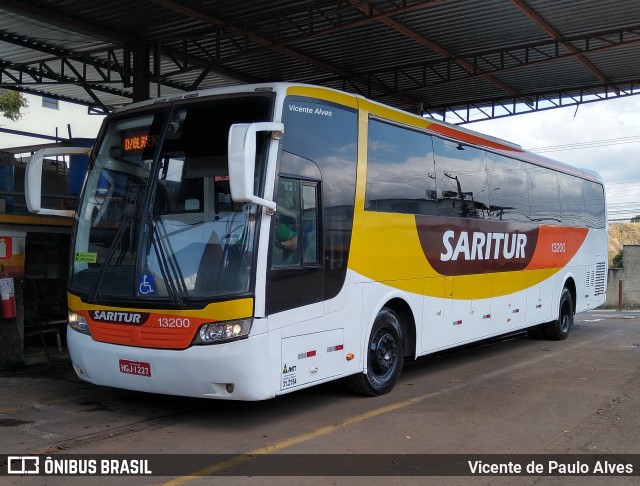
(7, 298)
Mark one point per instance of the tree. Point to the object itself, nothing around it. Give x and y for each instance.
(618, 260)
(636, 219)
(11, 104)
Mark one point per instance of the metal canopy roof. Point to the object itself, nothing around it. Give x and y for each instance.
(464, 60)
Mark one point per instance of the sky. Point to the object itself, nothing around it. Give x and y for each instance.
(603, 136)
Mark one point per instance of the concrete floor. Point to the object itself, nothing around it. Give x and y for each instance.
(512, 396)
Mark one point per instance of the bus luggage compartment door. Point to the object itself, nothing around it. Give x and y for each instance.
(311, 357)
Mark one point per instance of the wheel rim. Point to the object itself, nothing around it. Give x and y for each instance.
(565, 317)
(383, 353)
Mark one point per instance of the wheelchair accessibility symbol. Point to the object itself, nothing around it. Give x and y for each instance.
(147, 284)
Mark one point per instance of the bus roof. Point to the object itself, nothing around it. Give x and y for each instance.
(431, 125)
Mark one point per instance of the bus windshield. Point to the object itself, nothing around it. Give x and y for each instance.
(156, 220)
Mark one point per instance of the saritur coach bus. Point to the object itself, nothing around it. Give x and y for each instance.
(245, 242)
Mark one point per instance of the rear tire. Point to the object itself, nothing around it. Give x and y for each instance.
(558, 330)
(385, 356)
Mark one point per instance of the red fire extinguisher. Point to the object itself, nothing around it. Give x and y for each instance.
(7, 298)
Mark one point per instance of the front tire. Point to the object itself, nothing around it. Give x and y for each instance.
(558, 330)
(385, 356)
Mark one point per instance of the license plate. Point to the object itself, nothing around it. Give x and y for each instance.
(135, 367)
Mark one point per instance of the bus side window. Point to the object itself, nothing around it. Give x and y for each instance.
(508, 190)
(572, 206)
(461, 180)
(544, 198)
(594, 200)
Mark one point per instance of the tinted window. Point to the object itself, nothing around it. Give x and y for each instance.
(508, 191)
(502, 163)
(400, 170)
(461, 180)
(326, 135)
(571, 200)
(310, 224)
(544, 199)
(295, 165)
(594, 203)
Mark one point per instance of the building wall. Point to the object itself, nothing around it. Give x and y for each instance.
(69, 119)
(629, 275)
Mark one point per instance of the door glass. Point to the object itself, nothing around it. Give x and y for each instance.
(286, 242)
(309, 224)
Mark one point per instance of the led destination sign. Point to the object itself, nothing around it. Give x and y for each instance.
(138, 142)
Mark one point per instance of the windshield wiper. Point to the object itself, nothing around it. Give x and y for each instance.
(169, 266)
(127, 219)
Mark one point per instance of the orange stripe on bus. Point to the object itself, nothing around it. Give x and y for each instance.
(161, 331)
(470, 138)
(556, 246)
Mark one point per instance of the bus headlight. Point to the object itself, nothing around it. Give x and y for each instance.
(217, 332)
(77, 322)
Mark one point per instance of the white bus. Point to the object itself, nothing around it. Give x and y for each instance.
(246, 242)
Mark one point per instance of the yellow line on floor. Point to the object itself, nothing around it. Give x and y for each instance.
(327, 429)
(298, 439)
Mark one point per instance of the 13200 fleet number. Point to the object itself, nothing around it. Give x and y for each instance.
(174, 322)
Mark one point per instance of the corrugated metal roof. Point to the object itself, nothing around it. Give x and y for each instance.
(431, 55)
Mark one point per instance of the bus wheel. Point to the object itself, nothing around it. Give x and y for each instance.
(385, 356)
(559, 329)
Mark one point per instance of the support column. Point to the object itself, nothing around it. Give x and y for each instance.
(141, 75)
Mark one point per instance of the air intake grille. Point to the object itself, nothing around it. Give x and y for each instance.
(600, 278)
(589, 279)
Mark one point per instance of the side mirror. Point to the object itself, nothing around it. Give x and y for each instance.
(242, 160)
(33, 179)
